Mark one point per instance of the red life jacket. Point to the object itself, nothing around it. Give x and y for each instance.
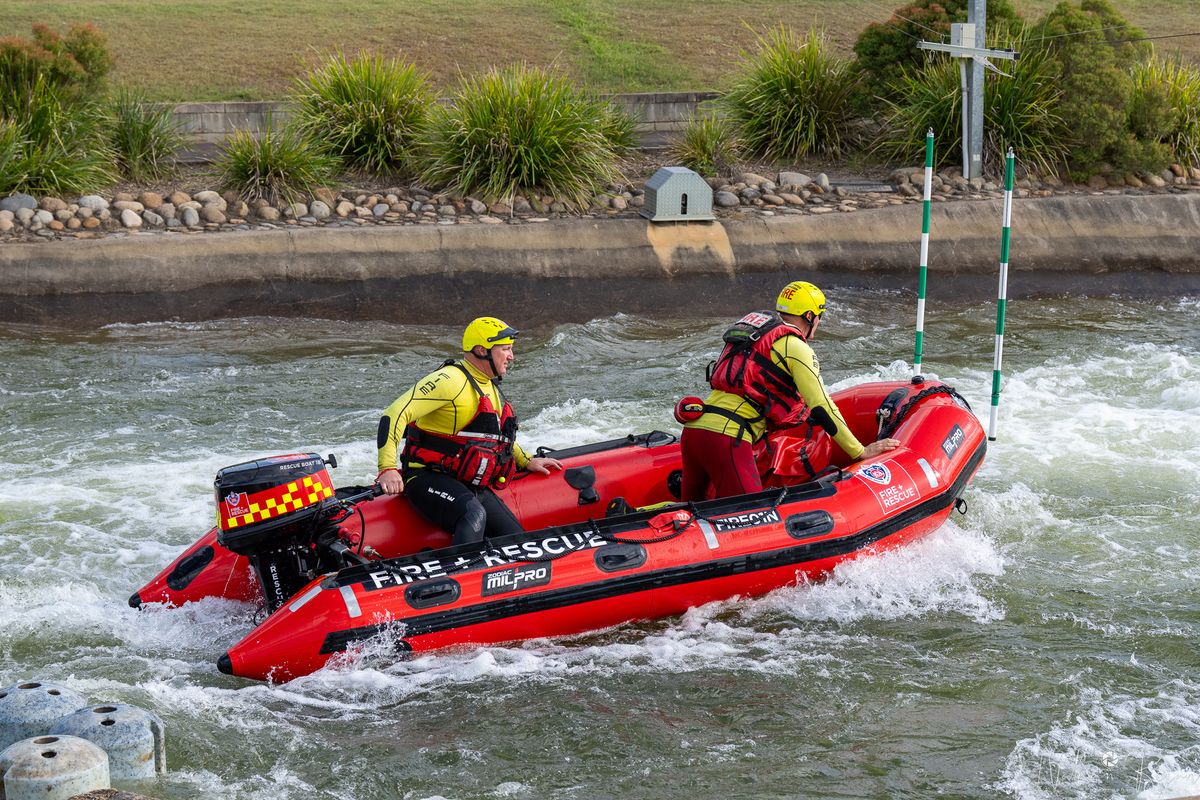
(480, 454)
(745, 368)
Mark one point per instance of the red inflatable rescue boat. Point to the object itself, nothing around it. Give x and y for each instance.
(339, 568)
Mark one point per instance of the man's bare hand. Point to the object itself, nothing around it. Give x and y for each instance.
(390, 481)
(542, 466)
(881, 446)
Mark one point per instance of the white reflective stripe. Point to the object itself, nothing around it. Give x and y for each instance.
(929, 473)
(352, 609)
(710, 536)
(472, 435)
(304, 598)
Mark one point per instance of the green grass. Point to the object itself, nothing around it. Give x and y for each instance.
(607, 53)
(229, 49)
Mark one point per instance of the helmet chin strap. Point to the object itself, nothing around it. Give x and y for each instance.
(496, 376)
(491, 361)
(806, 332)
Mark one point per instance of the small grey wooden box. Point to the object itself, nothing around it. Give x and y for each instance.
(676, 194)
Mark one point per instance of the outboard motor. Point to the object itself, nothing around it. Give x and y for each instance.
(272, 511)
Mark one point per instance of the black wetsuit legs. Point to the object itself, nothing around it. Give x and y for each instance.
(465, 513)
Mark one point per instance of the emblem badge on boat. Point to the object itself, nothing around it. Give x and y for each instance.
(233, 502)
(877, 473)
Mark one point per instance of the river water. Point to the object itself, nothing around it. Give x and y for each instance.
(1044, 645)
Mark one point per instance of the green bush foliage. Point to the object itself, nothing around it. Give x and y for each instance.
(792, 97)
(884, 49)
(54, 145)
(1021, 112)
(1090, 46)
(1165, 106)
(23, 63)
(366, 110)
(74, 65)
(278, 166)
(52, 134)
(707, 144)
(523, 128)
(145, 137)
(86, 45)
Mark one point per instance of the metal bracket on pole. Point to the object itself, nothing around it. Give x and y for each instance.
(961, 51)
(972, 94)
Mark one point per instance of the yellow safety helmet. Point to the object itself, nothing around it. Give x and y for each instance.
(487, 332)
(800, 297)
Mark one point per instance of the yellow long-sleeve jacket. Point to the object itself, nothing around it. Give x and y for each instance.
(444, 401)
(796, 357)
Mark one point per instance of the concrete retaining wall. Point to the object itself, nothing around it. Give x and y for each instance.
(657, 113)
(577, 269)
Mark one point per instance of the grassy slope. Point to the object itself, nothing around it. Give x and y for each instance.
(230, 49)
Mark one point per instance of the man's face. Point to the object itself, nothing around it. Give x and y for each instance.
(502, 356)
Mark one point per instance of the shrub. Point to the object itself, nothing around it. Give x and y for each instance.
(1089, 45)
(1165, 106)
(792, 98)
(707, 145)
(56, 145)
(23, 62)
(89, 45)
(75, 65)
(85, 45)
(366, 110)
(522, 128)
(1019, 111)
(145, 137)
(278, 166)
(884, 49)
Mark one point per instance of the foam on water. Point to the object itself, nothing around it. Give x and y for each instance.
(1058, 617)
(937, 575)
(1111, 733)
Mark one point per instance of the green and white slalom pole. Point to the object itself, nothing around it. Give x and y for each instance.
(1002, 296)
(924, 254)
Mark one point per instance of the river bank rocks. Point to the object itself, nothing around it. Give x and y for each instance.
(24, 217)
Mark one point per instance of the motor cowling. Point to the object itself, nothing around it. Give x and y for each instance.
(271, 511)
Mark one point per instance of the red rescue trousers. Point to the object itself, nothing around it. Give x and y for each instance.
(718, 461)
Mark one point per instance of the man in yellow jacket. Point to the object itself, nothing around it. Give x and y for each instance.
(449, 442)
(766, 377)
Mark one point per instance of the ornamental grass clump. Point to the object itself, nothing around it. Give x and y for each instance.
(707, 145)
(366, 110)
(145, 137)
(12, 145)
(279, 166)
(1166, 105)
(792, 98)
(53, 135)
(53, 145)
(1021, 111)
(519, 129)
